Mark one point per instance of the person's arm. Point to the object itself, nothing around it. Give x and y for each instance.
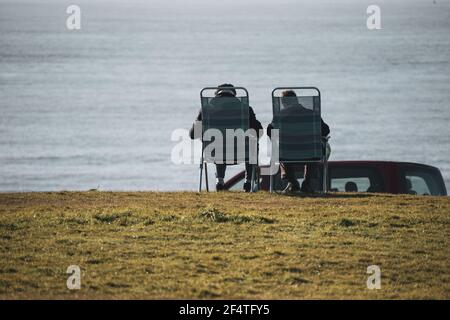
(194, 128)
(269, 130)
(254, 123)
(325, 129)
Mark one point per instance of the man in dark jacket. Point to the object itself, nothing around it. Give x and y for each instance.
(291, 110)
(227, 90)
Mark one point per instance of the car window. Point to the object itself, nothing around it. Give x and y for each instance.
(422, 181)
(351, 184)
(356, 179)
(238, 186)
(416, 185)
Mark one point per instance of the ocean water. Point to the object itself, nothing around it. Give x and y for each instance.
(96, 107)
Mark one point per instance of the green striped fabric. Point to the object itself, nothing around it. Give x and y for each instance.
(222, 113)
(299, 122)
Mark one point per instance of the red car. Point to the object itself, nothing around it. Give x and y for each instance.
(366, 176)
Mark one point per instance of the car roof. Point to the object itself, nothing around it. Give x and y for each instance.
(373, 162)
(377, 162)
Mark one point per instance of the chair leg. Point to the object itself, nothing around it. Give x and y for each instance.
(257, 181)
(252, 185)
(206, 177)
(271, 184)
(325, 176)
(201, 176)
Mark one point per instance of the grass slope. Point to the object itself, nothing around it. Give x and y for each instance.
(225, 245)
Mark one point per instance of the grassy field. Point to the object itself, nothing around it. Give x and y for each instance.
(223, 245)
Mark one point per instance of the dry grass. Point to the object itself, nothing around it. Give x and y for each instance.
(226, 245)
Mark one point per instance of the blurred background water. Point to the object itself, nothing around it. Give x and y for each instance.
(95, 108)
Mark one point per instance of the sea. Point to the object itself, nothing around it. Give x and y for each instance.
(97, 107)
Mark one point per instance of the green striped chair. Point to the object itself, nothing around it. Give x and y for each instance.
(298, 119)
(218, 115)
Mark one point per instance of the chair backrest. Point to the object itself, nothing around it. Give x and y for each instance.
(219, 115)
(298, 119)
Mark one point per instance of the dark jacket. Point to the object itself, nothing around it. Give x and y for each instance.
(288, 112)
(254, 123)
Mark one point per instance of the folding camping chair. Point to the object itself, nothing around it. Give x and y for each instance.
(298, 119)
(220, 115)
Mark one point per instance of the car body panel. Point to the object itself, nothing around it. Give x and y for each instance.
(391, 173)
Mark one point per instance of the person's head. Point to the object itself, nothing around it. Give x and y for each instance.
(225, 90)
(288, 98)
(351, 187)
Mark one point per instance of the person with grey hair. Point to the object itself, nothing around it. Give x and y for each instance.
(292, 107)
